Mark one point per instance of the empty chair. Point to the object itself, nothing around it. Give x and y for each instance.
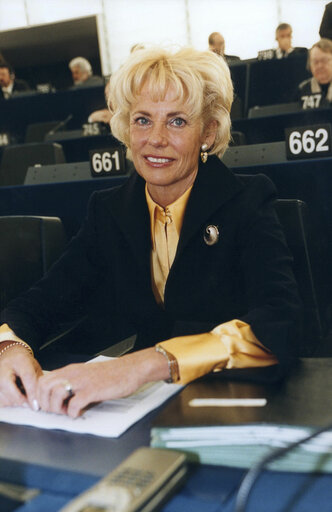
(29, 245)
(36, 132)
(292, 214)
(16, 160)
(238, 139)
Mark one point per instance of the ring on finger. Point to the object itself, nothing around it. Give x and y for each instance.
(68, 387)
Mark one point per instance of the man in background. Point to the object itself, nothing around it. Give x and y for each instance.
(9, 84)
(82, 75)
(284, 34)
(217, 45)
(317, 91)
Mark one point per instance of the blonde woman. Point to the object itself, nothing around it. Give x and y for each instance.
(186, 254)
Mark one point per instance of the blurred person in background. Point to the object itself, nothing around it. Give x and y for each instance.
(82, 74)
(317, 90)
(9, 84)
(283, 35)
(217, 45)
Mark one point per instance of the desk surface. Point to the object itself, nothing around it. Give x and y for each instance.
(209, 489)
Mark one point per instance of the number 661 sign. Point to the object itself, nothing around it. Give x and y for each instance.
(308, 141)
(106, 162)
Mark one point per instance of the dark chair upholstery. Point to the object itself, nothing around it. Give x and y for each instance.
(293, 217)
(29, 245)
(17, 158)
(36, 132)
(238, 139)
(275, 81)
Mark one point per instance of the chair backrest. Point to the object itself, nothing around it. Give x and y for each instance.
(275, 81)
(36, 132)
(29, 245)
(293, 217)
(238, 139)
(16, 160)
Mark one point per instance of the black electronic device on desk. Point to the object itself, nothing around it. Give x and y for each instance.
(142, 482)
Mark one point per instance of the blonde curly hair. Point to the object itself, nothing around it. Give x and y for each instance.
(201, 80)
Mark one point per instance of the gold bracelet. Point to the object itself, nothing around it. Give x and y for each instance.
(13, 344)
(173, 367)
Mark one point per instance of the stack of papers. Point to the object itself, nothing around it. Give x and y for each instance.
(244, 445)
(107, 419)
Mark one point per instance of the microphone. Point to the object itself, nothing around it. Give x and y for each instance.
(60, 125)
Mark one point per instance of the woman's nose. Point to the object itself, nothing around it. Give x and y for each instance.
(158, 135)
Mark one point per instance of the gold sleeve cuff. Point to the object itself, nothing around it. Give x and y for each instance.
(229, 345)
(196, 355)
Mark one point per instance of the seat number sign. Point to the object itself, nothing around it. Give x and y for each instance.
(311, 101)
(106, 162)
(308, 142)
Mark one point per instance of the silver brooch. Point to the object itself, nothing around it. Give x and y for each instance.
(211, 235)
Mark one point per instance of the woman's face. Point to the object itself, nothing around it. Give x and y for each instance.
(165, 145)
(321, 65)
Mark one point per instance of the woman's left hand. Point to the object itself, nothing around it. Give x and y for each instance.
(72, 388)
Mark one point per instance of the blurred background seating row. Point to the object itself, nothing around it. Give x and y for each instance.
(256, 83)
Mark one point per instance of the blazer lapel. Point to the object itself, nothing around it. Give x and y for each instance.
(214, 186)
(129, 210)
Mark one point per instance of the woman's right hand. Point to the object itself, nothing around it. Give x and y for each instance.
(19, 372)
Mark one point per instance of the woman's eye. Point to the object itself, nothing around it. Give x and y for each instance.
(142, 121)
(178, 121)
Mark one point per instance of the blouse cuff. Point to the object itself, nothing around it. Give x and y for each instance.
(229, 345)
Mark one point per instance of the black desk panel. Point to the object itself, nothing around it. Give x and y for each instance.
(65, 200)
(271, 128)
(275, 80)
(20, 111)
(77, 149)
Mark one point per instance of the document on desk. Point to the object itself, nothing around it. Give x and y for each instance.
(107, 419)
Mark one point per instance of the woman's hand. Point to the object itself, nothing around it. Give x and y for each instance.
(100, 116)
(72, 388)
(19, 373)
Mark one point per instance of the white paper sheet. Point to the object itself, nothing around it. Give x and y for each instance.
(107, 419)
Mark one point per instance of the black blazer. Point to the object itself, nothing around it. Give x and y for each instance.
(19, 86)
(105, 271)
(325, 29)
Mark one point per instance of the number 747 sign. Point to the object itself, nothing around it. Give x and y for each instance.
(308, 141)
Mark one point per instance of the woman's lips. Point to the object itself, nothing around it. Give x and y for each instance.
(158, 160)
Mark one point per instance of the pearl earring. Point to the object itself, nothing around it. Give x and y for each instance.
(204, 155)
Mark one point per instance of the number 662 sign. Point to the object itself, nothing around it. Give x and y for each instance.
(308, 141)
(108, 161)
